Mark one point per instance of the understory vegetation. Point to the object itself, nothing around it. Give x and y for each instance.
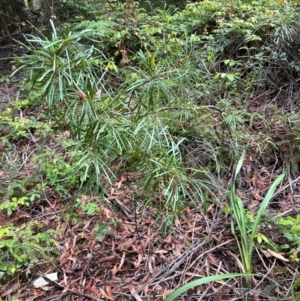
(140, 145)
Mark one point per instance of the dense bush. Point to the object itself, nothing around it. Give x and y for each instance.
(168, 99)
(166, 93)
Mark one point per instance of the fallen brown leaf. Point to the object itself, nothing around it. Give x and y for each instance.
(109, 292)
(134, 293)
(277, 255)
(212, 259)
(9, 289)
(122, 261)
(105, 295)
(256, 195)
(139, 260)
(114, 271)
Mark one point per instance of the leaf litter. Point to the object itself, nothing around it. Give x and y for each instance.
(130, 258)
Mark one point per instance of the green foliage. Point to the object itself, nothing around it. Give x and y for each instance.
(89, 207)
(57, 172)
(15, 126)
(169, 96)
(198, 282)
(4, 79)
(132, 127)
(290, 228)
(60, 67)
(22, 246)
(101, 230)
(13, 204)
(167, 79)
(166, 95)
(239, 217)
(295, 287)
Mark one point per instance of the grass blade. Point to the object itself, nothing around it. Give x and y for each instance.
(200, 281)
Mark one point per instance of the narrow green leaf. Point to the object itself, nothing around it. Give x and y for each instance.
(201, 281)
(239, 164)
(264, 205)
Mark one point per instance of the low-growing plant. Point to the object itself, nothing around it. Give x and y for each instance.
(88, 207)
(11, 205)
(239, 224)
(21, 246)
(14, 125)
(57, 172)
(198, 282)
(289, 227)
(294, 290)
(101, 230)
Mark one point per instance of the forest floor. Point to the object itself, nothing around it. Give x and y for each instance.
(119, 252)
